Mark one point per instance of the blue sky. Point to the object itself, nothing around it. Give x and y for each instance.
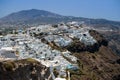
(108, 9)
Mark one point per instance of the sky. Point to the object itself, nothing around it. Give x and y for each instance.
(103, 9)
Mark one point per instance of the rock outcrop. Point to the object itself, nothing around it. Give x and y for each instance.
(77, 46)
(26, 69)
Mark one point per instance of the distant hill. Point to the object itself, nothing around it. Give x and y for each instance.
(35, 17)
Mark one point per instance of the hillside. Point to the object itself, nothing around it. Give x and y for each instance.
(80, 51)
(96, 62)
(91, 53)
(114, 40)
(101, 65)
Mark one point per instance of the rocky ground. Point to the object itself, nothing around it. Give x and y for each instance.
(26, 69)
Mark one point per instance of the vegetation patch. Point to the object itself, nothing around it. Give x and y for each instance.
(30, 60)
(9, 66)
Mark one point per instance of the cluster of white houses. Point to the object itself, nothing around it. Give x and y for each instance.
(21, 46)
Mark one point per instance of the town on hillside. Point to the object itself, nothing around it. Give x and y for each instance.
(46, 44)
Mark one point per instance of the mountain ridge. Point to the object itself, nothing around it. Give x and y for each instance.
(58, 14)
(36, 17)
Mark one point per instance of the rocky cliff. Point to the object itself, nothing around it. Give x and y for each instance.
(97, 62)
(101, 65)
(77, 46)
(26, 69)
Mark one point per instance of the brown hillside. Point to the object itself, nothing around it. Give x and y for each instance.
(101, 65)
